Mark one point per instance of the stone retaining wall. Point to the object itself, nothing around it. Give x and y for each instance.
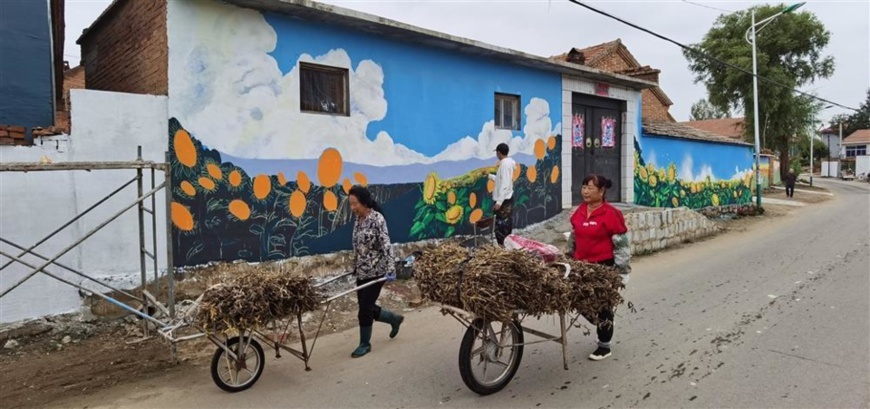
(654, 229)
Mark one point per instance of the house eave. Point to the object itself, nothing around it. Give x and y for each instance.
(383, 27)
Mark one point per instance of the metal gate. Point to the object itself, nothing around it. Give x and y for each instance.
(596, 143)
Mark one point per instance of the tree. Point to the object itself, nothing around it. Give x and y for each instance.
(790, 52)
(820, 149)
(703, 109)
(855, 121)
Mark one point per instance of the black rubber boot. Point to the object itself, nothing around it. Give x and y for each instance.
(365, 345)
(395, 320)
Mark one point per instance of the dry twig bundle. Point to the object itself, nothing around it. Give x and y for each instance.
(494, 282)
(253, 299)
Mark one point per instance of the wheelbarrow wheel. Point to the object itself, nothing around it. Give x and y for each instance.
(236, 375)
(490, 355)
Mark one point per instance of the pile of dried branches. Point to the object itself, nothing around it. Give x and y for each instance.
(493, 282)
(253, 299)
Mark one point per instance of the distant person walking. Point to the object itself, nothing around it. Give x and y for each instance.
(790, 180)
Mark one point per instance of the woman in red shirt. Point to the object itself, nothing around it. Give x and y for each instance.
(594, 224)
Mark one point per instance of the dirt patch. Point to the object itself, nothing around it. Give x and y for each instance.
(802, 194)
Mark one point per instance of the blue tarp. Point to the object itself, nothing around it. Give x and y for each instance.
(26, 87)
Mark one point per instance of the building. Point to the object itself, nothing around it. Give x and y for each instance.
(276, 108)
(856, 150)
(730, 127)
(73, 78)
(675, 163)
(832, 138)
(31, 81)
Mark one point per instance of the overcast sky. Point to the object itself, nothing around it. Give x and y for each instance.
(550, 27)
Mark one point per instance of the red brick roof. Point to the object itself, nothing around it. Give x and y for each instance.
(590, 56)
(730, 127)
(681, 130)
(861, 136)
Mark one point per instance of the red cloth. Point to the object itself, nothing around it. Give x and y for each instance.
(593, 235)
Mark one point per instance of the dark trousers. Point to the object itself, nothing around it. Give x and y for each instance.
(504, 221)
(367, 299)
(789, 190)
(605, 318)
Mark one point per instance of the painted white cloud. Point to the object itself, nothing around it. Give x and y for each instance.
(686, 172)
(230, 93)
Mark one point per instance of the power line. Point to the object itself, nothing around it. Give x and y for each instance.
(706, 6)
(703, 54)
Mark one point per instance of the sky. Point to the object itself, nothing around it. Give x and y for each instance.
(551, 27)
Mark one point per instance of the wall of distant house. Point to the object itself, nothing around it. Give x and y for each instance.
(676, 172)
(126, 50)
(258, 179)
(26, 70)
(109, 127)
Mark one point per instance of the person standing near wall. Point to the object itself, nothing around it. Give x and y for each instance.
(373, 259)
(599, 235)
(503, 193)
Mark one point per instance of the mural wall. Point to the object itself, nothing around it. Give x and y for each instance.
(671, 172)
(257, 179)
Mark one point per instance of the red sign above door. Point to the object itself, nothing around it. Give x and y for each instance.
(602, 89)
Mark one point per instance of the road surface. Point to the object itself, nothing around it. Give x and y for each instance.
(777, 316)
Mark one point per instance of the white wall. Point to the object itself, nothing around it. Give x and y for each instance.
(106, 127)
(862, 165)
(830, 169)
(572, 84)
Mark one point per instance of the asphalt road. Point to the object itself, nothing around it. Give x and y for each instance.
(776, 316)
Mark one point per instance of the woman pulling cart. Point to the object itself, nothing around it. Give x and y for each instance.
(373, 259)
(599, 236)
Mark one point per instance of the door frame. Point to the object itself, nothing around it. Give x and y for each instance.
(593, 102)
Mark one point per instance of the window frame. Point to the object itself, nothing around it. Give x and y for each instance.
(518, 117)
(855, 150)
(345, 109)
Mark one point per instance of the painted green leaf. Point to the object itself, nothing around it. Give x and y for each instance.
(428, 219)
(417, 228)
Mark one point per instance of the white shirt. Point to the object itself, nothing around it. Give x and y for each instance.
(504, 181)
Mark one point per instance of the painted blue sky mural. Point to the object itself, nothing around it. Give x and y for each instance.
(456, 90)
(696, 160)
(235, 83)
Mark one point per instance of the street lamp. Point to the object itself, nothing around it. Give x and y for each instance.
(750, 38)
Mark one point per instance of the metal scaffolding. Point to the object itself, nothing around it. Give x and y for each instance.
(148, 299)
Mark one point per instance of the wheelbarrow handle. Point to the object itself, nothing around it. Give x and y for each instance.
(338, 277)
(368, 284)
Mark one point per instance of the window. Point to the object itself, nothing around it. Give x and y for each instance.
(323, 89)
(857, 150)
(507, 112)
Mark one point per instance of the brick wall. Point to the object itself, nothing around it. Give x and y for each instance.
(73, 78)
(126, 50)
(653, 108)
(13, 135)
(613, 63)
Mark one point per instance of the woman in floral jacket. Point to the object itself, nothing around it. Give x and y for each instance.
(373, 259)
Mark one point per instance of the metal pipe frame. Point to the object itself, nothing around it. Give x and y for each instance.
(166, 330)
(73, 220)
(79, 241)
(70, 269)
(86, 291)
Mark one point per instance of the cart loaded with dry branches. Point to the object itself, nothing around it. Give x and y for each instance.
(256, 307)
(491, 291)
